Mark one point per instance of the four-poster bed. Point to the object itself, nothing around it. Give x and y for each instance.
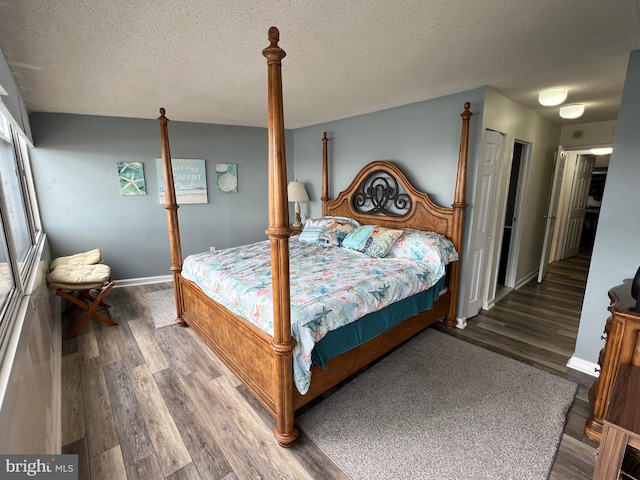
(263, 361)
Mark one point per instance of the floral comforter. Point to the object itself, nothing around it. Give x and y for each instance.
(330, 287)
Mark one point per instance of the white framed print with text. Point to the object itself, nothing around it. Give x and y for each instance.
(189, 178)
(227, 177)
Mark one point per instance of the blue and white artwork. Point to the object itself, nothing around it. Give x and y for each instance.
(189, 178)
(227, 177)
(131, 175)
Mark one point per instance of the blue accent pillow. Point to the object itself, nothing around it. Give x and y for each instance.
(357, 239)
(310, 234)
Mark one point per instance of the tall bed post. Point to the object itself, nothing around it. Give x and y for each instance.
(171, 207)
(325, 172)
(458, 214)
(278, 231)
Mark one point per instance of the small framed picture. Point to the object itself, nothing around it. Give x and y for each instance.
(131, 175)
(227, 177)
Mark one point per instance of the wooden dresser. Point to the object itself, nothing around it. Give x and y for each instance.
(622, 346)
(621, 425)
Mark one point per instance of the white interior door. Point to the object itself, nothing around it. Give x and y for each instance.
(519, 211)
(552, 211)
(483, 221)
(577, 203)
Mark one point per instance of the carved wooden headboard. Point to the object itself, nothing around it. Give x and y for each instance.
(381, 194)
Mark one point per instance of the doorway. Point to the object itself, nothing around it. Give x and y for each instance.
(496, 236)
(510, 218)
(574, 205)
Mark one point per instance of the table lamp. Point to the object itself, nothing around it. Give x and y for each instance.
(297, 193)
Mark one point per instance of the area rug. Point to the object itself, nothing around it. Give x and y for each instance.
(440, 408)
(162, 305)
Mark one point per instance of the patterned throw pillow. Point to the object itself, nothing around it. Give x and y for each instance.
(327, 230)
(372, 240)
(328, 220)
(424, 246)
(335, 233)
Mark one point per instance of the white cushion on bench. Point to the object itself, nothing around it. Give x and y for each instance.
(86, 258)
(81, 277)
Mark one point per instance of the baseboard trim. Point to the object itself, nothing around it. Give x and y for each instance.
(584, 366)
(128, 282)
(489, 305)
(461, 322)
(526, 279)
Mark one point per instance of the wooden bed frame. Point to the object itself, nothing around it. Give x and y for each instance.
(262, 362)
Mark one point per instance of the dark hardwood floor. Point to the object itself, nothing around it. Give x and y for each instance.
(141, 403)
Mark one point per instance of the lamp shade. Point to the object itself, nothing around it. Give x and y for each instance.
(296, 192)
(553, 96)
(575, 110)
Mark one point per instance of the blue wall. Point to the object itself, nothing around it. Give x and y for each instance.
(616, 250)
(422, 138)
(74, 166)
(75, 174)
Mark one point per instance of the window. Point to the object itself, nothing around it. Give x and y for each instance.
(20, 228)
(13, 206)
(7, 283)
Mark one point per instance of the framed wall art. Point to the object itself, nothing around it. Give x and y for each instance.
(189, 178)
(227, 177)
(131, 176)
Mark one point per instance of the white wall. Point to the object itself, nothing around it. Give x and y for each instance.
(519, 123)
(596, 133)
(30, 388)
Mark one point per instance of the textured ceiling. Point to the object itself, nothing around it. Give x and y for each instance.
(201, 59)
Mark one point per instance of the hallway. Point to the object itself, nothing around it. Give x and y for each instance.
(538, 323)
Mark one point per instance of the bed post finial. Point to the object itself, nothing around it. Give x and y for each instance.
(466, 114)
(273, 52)
(274, 36)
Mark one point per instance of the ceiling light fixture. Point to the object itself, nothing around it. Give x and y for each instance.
(553, 96)
(601, 151)
(575, 110)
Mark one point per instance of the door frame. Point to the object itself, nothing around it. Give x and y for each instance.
(504, 177)
(520, 211)
(551, 217)
(561, 224)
